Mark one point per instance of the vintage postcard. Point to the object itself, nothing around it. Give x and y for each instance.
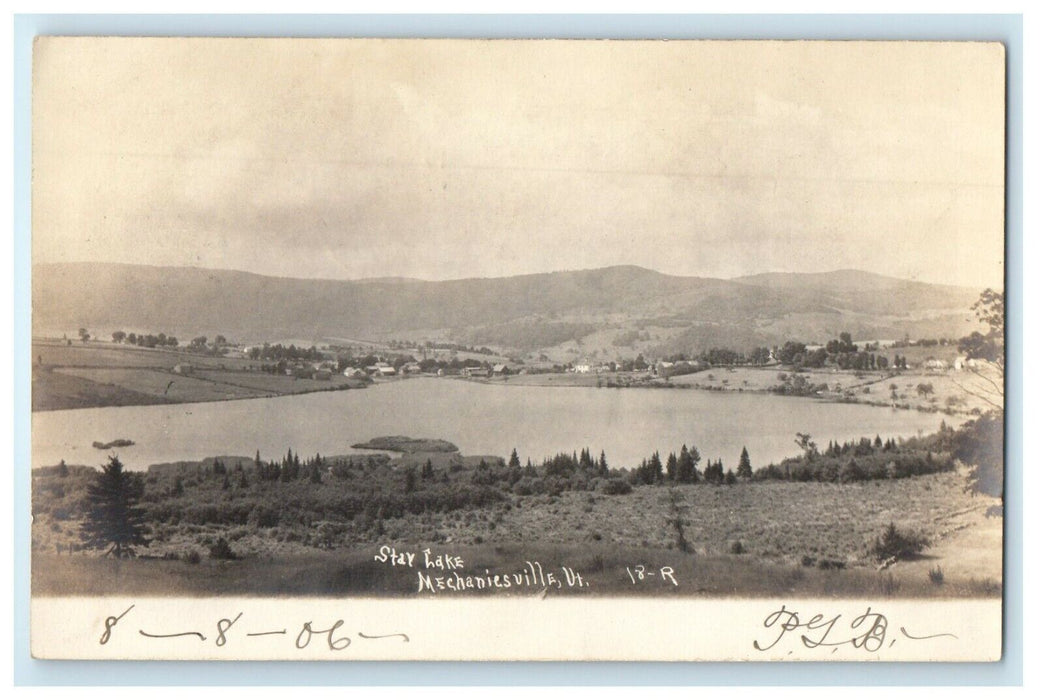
(517, 350)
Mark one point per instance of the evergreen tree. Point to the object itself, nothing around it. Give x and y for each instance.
(530, 470)
(714, 472)
(684, 466)
(655, 469)
(687, 465)
(585, 459)
(744, 470)
(428, 471)
(411, 480)
(512, 462)
(315, 476)
(730, 477)
(603, 466)
(672, 467)
(113, 517)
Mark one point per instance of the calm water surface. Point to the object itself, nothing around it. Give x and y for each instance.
(479, 418)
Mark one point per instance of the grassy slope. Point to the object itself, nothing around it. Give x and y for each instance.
(778, 524)
(104, 374)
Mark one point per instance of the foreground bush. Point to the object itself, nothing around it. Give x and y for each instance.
(616, 487)
(897, 544)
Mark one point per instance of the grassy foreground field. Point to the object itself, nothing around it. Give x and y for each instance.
(747, 539)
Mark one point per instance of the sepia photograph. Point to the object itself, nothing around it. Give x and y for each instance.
(522, 334)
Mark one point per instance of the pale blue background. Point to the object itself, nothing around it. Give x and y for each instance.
(1005, 28)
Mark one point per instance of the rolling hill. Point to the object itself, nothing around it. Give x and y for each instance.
(526, 312)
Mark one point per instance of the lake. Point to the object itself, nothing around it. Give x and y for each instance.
(479, 418)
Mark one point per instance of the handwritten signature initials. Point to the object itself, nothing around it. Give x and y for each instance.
(870, 630)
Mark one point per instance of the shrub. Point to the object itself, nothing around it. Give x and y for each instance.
(736, 548)
(222, 550)
(935, 575)
(901, 545)
(193, 557)
(616, 487)
(852, 472)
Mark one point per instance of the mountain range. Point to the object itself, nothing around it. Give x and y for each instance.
(622, 307)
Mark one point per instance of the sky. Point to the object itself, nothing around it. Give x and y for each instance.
(436, 159)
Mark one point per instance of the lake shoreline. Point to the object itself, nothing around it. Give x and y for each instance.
(126, 398)
(591, 382)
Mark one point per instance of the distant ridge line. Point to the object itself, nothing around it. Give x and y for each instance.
(755, 278)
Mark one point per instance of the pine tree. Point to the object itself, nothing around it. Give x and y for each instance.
(113, 518)
(530, 470)
(411, 480)
(687, 470)
(744, 470)
(714, 473)
(672, 467)
(315, 476)
(656, 469)
(512, 462)
(603, 466)
(684, 466)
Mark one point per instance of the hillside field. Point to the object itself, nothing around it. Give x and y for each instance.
(751, 538)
